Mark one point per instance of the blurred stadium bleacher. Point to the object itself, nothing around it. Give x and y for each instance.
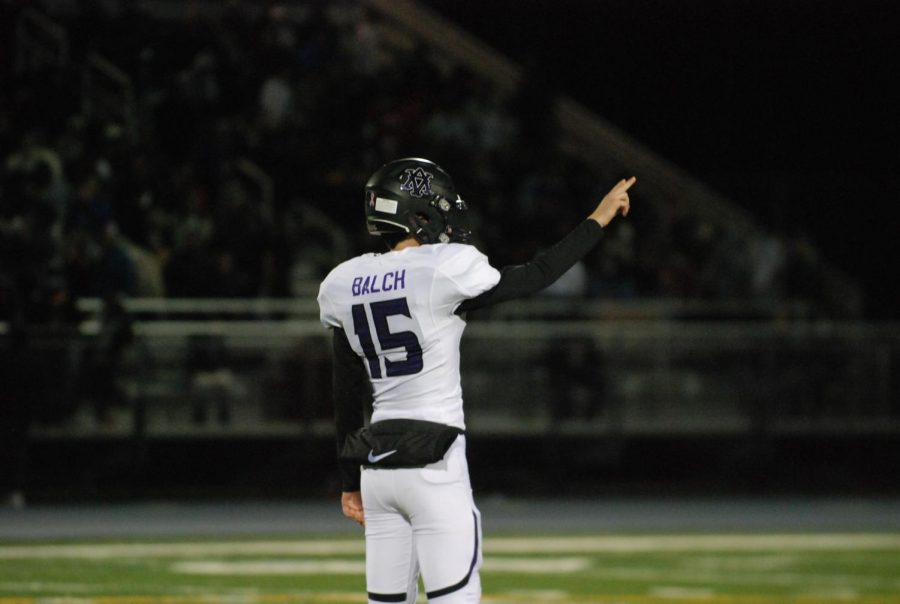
(177, 177)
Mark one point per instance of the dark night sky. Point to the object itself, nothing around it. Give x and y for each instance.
(788, 107)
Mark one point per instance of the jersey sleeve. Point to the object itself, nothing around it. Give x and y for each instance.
(466, 273)
(546, 267)
(352, 394)
(327, 310)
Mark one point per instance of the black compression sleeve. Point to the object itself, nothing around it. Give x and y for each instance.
(352, 394)
(548, 266)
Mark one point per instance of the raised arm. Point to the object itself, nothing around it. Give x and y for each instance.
(549, 265)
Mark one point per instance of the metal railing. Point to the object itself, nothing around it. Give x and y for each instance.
(241, 375)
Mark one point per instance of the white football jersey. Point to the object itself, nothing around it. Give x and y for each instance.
(397, 309)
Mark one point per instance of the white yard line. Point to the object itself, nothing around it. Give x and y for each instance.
(292, 598)
(181, 550)
(831, 581)
(496, 545)
(670, 543)
(496, 564)
(530, 595)
(37, 586)
(742, 562)
(271, 567)
(679, 593)
(358, 567)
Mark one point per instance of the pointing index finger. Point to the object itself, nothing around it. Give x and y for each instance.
(624, 185)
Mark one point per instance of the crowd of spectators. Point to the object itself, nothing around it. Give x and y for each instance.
(220, 152)
(233, 164)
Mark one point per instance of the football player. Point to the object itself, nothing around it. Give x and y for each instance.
(397, 319)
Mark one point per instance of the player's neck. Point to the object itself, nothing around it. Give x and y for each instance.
(408, 242)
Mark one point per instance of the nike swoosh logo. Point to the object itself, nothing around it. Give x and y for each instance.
(376, 458)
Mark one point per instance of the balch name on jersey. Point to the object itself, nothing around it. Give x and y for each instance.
(372, 284)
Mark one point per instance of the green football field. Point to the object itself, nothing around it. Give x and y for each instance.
(746, 568)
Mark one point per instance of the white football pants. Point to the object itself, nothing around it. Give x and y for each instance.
(423, 520)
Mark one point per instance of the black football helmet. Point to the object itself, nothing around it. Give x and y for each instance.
(415, 196)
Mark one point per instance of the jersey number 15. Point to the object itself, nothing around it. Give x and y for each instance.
(387, 340)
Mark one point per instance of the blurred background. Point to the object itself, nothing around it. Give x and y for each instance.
(177, 177)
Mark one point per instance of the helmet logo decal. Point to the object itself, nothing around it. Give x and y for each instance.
(417, 183)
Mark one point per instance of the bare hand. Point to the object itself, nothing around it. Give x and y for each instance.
(614, 203)
(351, 503)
